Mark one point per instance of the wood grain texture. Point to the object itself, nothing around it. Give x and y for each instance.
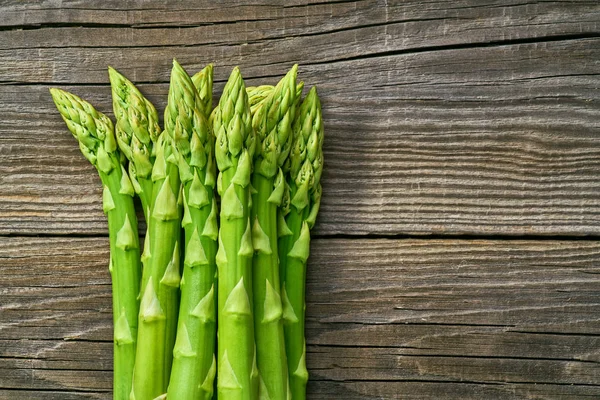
(467, 117)
(499, 20)
(243, 34)
(488, 140)
(386, 319)
(150, 13)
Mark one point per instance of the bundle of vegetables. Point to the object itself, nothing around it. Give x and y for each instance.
(229, 195)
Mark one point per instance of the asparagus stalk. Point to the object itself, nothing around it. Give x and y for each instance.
(272, 125)
(159, 307)
(95, 134)
(194, 363)
(234, 149)
(305, 168)
(136, 130)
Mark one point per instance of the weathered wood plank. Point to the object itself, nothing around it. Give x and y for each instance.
(491, 140)
(322, 390)
(402, 25)
(386, 318)
(384, 364)
(51, 395)
(445, 390)
(247, 43)
(484, 21)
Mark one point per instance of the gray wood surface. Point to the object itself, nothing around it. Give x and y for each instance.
(439, 120)
(456, 252)
(386, 318)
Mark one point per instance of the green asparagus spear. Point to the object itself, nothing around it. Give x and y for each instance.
(159, 307)
(136, 130)
(194, 363)
(305, 168)
(234, 149)
(95, 134)
(272, 125)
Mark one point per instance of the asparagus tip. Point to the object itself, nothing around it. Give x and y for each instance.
(114, 76)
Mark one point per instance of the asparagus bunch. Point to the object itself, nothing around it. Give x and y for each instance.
(234, 149)
(305, 167)
(268, 150)
(96, 137)
(194, 363)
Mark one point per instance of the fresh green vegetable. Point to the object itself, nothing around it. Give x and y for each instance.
(267, 146)
(305, 168)
(234, 149)
(194, 363)
(95, 134)
(136, 130)
(272, 125)
(159, 307)
(256, 94)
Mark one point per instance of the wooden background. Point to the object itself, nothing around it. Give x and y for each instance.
(457, 253)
